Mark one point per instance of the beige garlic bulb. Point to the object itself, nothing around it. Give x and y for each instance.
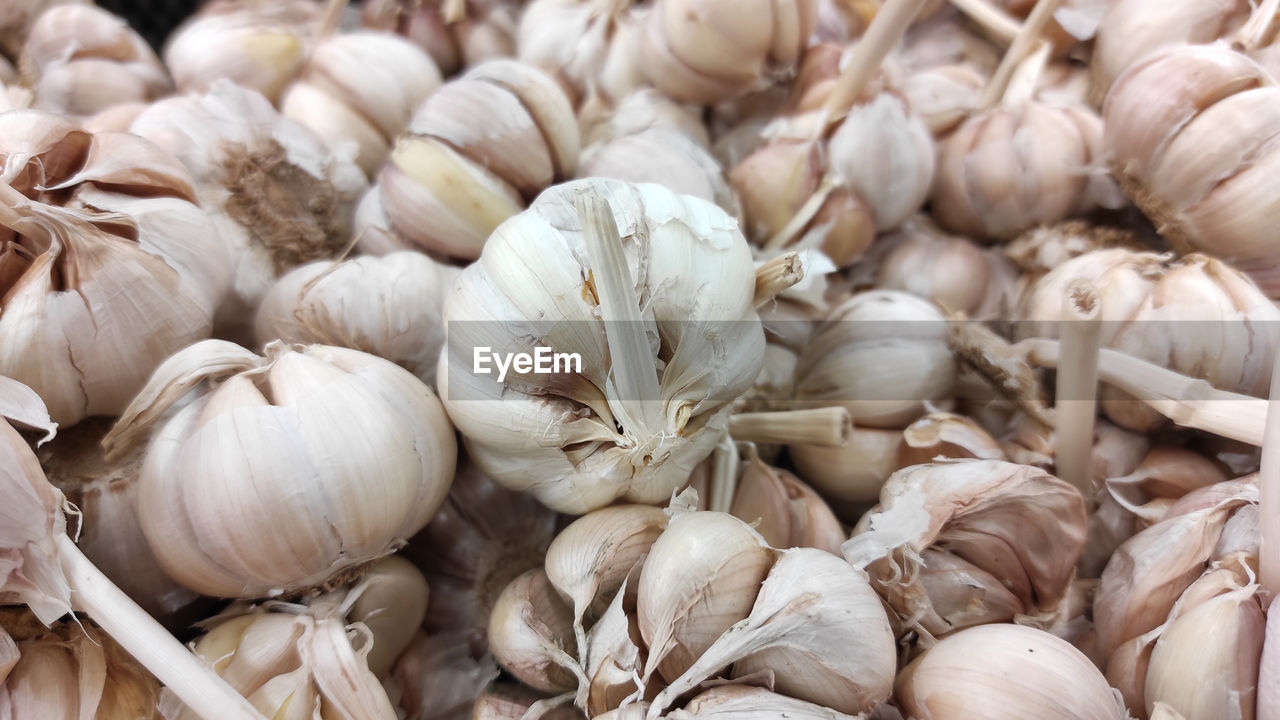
(1005, 672)
(107, 266)
(390, 306)
(611, 427)
(1204, 189)
(1180, 314)
(346, 455)
(455, 34)
(361, 87)
(72, 670)
(111, 63)
(478, 149)
(277, 194)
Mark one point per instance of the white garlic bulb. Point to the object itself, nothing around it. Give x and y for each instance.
(590, 46)
(343, 454)
(675, 293)
(390, 306)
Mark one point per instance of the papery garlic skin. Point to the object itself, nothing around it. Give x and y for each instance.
(554, 435)
(345, 456)
(390, 306)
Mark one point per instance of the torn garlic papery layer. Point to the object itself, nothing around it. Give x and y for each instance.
(661, 315)
(107, 265)
(279, 196)
(111, 64)
(390, 306)
(328, 456)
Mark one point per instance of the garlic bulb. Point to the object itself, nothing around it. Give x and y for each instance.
(455, 34)
(389, 306)
(957, 518)
(73, 670)
(258, 46)
(476, 151)
(1179, 314)
(272, 423)
(1020, 672)
(1203, 189)
(675, 292)
(707, 51)
(16, 19)
(591, 47)
(277, 194)
(111, 64)
(107, 266)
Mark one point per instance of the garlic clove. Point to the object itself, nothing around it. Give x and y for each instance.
(392, 596)
(744, 702)
(336, 122)
(544, 102)
(853, 472)
(531, 634)
(786, 512)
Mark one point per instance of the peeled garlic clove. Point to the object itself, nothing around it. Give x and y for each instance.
(531, 634)
(340, 510)
(786, 512)
(1023, 672)
(389, 306)
(701, 576)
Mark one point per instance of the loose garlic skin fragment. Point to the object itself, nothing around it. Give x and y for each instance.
(475, 152)
(275, 425)
(1005, 672)
(111, 63)
(555, 435)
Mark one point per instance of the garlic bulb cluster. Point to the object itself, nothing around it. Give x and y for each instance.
(345, 456)
(111, 64)
(475, 152)
(634, 606)
(653, 293)
(72, 670)
(278, 195)
(455, 34)
(939, 522)
(1177, 313)
(1204, 190)
(360, 87)
(107, 265)
(390, 306)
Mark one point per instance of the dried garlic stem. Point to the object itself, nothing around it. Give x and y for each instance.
(1187, 401)
(635, 375)
(724, 476)
(887, 27)
(207, 694)
(1253, 34)
(1000, 26)
(1269, 491)
(777, 275)
(828, 427)
(1026, 41)
(1075, 404)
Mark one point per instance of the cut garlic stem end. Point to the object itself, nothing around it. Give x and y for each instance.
(203, 691)
(635, 374)
(998, 25)
(1187, 401)
(1253, 34)
(777, 275)
(828, 427)
(887, 28)
(1023, 45)
(724, 476)
(1075, 404)
(1269, 491)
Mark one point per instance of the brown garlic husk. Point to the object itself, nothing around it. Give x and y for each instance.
(111, 64)
(476, 152)
(484, 29)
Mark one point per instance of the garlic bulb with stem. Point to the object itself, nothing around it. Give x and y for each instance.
(455, 33)
(329, 496)
(44, 569)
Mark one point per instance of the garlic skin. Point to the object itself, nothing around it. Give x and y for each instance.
(1022, 672)
(361, 87)
(271, 421)
(148, 269)
(1179, 314)
(475, 152)
(277, 194)
(485, 30)
(111, 64)
(390, 306)
(1203, 190)
(535, 280)
(708, 51)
